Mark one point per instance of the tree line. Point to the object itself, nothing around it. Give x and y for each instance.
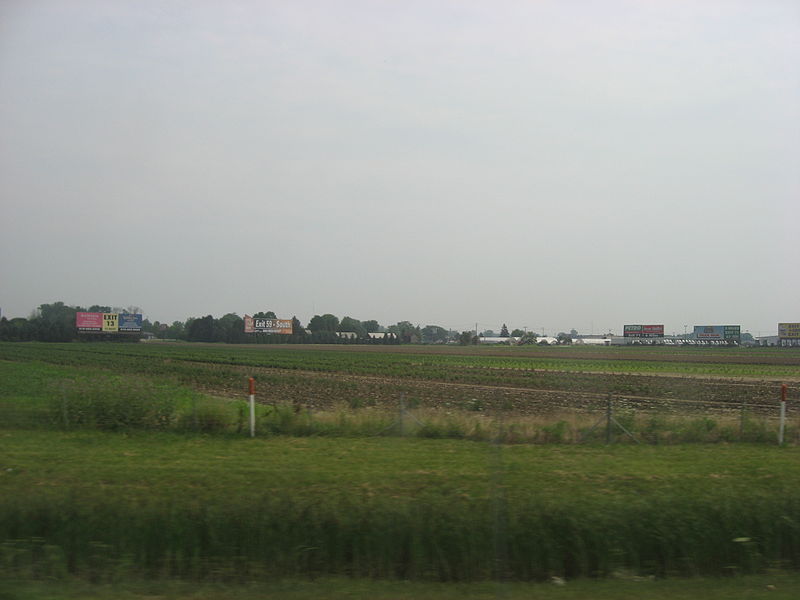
(55, 322)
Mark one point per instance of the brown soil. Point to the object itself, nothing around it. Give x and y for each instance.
(559, 392)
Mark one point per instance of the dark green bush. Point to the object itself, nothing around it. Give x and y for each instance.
(116, 403)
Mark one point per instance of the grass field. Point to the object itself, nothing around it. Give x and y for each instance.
(194, 506)
(536, 388)
(124, 464)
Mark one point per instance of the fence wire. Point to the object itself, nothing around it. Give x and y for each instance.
(592, 418)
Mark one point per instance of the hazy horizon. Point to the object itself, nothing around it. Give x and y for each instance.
(546, 164)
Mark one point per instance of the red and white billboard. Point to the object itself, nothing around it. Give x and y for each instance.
(643, 331)
(652, 331)
(89, 321)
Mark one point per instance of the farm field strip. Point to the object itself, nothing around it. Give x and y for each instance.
(763, 356)
(419, 365)
(320, 377)
(426, 388)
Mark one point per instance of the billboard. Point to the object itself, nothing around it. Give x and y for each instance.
(717, 332)
(259, 325)
(130, 322)
(643, 331)
(87, 321)
(789, 331)
(652, 331)
(110, 322)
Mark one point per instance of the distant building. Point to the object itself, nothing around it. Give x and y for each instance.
(381, 335)
(497, 340)
(592, 341)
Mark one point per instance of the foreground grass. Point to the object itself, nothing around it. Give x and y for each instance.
(777, 586)
(233, 509)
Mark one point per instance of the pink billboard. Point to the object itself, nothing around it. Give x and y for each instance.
(88, 321)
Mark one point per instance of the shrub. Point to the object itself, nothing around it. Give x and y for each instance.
(114, 404)
(206, 416)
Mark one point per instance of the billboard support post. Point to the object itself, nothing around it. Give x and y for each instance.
(783, 414)
(252, 383)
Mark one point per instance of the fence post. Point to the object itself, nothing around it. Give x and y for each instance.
(783, 414)
(402, 416)
(741, 421)
(252, 382)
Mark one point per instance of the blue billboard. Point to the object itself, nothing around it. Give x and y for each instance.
(717, 332)
(130, 322)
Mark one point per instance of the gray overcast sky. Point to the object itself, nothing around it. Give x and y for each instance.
(549, 164)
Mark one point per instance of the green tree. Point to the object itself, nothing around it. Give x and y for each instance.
(371, 326)
(326, 322)
(297, 327)
(265, 315)
(17, 329)
(350, 324)
(54, 322)
(201, 330)
(433, 334)
(467, 337)
(405, 331)
(230, 329)
(504, 331)
(518, 333)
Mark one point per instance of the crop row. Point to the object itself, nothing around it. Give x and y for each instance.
(472, 369)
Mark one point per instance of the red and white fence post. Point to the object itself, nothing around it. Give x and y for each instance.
(252, 407)
(783, 414)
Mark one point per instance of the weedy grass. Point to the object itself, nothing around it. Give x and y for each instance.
(41, 395)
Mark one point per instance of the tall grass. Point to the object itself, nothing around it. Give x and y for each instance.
(102, 505)
(116, 403)
(435, 536)
(125, 403)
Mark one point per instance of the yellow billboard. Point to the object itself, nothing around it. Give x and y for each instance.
(789, 331)
(110, 322)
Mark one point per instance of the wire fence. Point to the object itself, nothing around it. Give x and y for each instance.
(589, 418)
